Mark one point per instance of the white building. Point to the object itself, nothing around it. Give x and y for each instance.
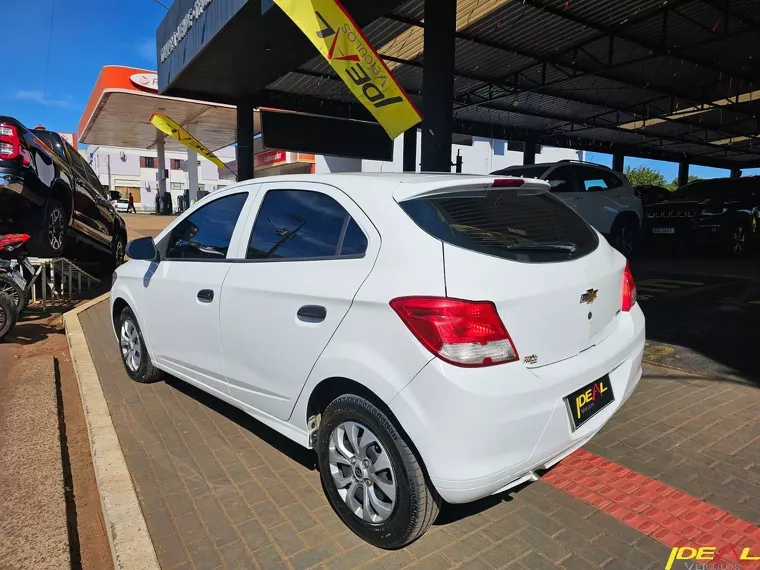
(133, 170)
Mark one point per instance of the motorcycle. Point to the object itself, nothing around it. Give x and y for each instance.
(16, 271)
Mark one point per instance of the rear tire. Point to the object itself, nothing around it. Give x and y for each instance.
(17, 295)
(133, 352)
(8, 315)
(363, 460)
(624, 236)
(49, 239)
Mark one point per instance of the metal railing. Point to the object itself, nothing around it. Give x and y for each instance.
(58, 280)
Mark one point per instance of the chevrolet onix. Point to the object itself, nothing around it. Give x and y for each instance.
(430, 336)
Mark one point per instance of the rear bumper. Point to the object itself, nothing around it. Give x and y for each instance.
(481, 431)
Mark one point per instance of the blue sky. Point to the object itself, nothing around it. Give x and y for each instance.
(86, 35)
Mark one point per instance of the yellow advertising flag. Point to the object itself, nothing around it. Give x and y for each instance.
(169, 127)
(337, 37)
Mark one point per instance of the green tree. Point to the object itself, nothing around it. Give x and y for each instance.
(644, 176)
(673, 184)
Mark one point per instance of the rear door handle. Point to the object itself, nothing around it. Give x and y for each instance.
(205, 295)
(312, 313)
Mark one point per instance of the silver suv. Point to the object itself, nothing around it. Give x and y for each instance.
(602, 196)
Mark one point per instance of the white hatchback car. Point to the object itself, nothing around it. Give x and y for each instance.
(430, 336)
(602, 196)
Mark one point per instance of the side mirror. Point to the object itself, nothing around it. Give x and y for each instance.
(556, 183)
(143, 248)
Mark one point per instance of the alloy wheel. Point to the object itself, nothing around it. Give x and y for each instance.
(739, 240)
(362, 472)
(129, 342)
(119, 254)
(55, 229)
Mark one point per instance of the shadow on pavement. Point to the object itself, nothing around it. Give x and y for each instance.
(703, 314)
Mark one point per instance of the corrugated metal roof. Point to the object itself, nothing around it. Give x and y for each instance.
(548, 64)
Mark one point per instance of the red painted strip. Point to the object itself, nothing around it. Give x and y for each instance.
(666, 514)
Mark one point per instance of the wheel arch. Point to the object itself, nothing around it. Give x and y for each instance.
(331, 388)
(60, 191)
(624, 216)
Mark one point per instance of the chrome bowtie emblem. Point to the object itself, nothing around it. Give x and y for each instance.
(589, 296)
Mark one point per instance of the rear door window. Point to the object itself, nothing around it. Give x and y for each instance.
(562, 179)
(301, 225)
(596, 179)
(521, 225)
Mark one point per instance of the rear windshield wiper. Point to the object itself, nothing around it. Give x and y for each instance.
(569, 247)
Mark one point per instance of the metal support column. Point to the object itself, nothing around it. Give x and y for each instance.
(161, 165)
(410, 150)
(438, 84)
(618, 162)
(736, 172)
(192, 169)
(529, 152)
(683, 173)
(244, 141)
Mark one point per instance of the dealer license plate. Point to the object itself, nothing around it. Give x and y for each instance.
(585, 403)
(663, 230)
(19, 279)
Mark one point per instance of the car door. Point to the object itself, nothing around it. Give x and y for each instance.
(106, 213)
(182, 296)
(308, 249)
(602, 198)
(85, 209)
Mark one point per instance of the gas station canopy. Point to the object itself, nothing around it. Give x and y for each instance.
(674, 80)
(123, 100)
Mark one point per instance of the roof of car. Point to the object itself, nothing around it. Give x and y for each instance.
(400, 185)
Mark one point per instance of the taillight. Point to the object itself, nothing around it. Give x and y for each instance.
(507, 183)
(464, 333)
(629, 290)
(10, 144)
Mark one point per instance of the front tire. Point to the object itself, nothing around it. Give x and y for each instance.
(133, 352)
(371, 476)
(8, 315)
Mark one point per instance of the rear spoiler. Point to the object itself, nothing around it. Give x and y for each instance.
(436, 186)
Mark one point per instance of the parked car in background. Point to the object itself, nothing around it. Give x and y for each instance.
(121, 204)
(48, 190)
(651, 194)
(430, 336)
(722, 213)
(603, 197)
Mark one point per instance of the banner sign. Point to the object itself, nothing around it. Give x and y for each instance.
(337, 37)
(169, 127)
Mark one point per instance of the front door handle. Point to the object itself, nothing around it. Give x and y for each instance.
(312, 313)
(205, 295)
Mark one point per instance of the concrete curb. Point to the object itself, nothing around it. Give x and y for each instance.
(131, 546)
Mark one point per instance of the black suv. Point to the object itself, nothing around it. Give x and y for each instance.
(720, 212)
(48, 190)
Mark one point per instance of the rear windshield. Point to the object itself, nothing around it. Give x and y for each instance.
(521, 225)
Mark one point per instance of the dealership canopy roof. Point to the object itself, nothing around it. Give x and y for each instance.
(123, 100)
(675, 80)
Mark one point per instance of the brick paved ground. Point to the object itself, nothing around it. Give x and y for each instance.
(220, 490)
